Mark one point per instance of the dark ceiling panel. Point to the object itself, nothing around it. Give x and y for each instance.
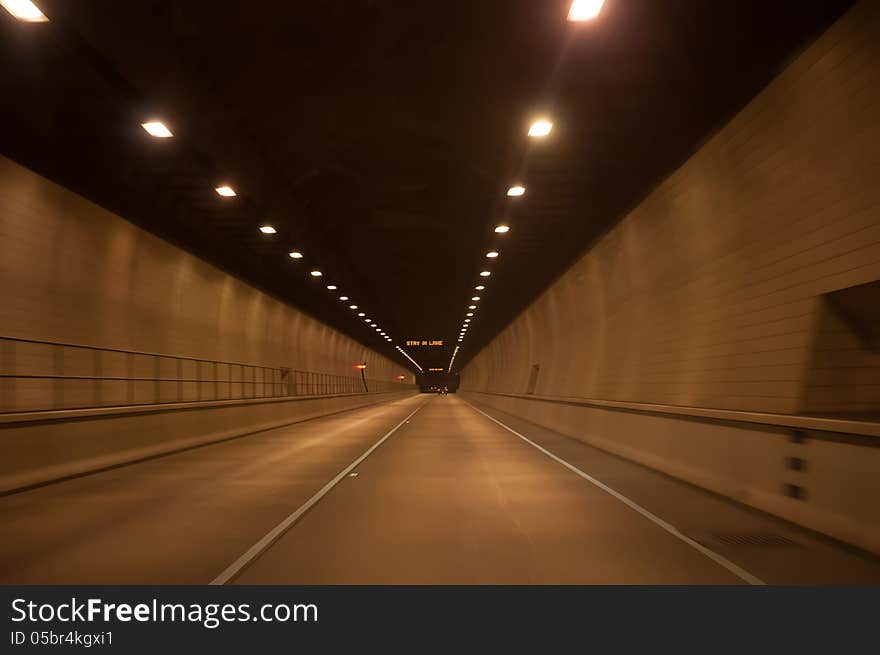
(380, 136)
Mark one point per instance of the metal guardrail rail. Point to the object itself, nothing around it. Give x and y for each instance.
(40, 375)
(846, 428)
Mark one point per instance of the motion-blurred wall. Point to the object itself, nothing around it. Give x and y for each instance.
(146, 324)
(745, 281)
(71, 271)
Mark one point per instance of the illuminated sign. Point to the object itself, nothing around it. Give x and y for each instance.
(424, 342)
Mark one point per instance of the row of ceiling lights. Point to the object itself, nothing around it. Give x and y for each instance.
(580, 10)
(159, 130)
(538, 129)
(27, 11)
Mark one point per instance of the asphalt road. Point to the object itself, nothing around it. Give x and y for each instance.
(446, 495)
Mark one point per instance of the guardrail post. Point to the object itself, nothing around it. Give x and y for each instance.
(58, 391)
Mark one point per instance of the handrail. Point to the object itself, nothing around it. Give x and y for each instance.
(123, 351)
(65, 381)
(793, 421)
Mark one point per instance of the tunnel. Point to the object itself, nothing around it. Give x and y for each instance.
(462, 293)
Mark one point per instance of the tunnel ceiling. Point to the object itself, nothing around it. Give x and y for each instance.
(379, 137)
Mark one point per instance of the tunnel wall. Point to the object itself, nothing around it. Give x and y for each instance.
(714, 293)
(75, 273)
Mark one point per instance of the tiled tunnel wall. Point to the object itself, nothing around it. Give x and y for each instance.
(213, 357)
(710, 292)
(73, 272)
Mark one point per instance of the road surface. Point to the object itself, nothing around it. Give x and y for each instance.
(447, 494)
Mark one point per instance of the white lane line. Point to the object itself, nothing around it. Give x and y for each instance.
(275, 533)
(671, 529)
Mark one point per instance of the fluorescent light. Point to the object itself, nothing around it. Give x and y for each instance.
(226, 191)
(540, 127)
(157, 129)
(316, 273)
(492, 254)
(24, 10)
(502, 229)
(331, 287)
(485, 273)
(403, 352)
(582, 10)
(267, 229)
(296, 254)
(516, 191)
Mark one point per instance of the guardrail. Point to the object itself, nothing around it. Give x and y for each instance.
(50, 375)
(829, 425)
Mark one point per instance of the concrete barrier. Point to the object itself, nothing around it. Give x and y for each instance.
(817, 473)
(40, 447)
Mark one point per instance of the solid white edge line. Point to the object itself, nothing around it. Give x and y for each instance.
(671, 529)
(275, 533)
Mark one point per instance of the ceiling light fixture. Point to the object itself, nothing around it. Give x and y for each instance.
(226, 191)
(472, 306)
(469, 314)
(502, 229)
(352, 306)
(479, 287)
(492, 254)
(267, 229)
(452, 359)
(331, 287)
(157, 129)
(316, 273)
(516, 190)
(485, 273)
(296, 254)
(583, 10)
(540, 127)
(343, 297)
(475, 298)
(362, 314)
(24, 10)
